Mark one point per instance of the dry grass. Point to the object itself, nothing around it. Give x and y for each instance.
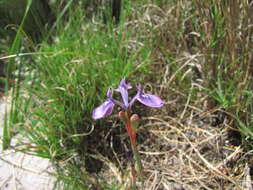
(188, 153)
(192, 143)
(194, 155)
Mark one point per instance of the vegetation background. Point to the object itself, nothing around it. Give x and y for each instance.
(58, 58)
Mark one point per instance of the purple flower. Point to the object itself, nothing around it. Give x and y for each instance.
(107, 107)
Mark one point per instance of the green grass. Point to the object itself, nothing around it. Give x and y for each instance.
(64, 82)
(11, 119)
(75, 79)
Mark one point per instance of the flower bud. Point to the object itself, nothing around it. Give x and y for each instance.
(135, 120)
(123, 115)
(135, 117)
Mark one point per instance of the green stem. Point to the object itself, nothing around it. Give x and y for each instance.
(138, 161)
(134, 182)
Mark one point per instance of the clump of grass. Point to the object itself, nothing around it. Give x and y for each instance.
(66, 80)
(206, 46)
(11, 119)
(227, 30)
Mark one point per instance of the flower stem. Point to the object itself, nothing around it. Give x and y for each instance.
(138, 161)
(132, 135)
(131, 130)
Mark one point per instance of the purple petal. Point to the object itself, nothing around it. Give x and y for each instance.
(109, 93)
(147, 99)
(134, 99)
(124, 95)
(103, 110)
(150, 100)
(123, 89)
(123, 84)
(118, 103)
(109, 97)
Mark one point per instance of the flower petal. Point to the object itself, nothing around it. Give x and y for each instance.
(123, 84)
(109, 93)
(150, 100)
(103, 110)
(123, 89)
(147, 99)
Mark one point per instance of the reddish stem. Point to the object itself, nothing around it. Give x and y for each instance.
(130, 131)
